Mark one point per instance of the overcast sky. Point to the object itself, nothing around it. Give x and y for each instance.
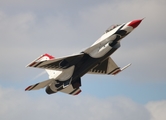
(58, 27)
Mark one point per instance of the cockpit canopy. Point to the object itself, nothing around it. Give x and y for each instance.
(112, 27)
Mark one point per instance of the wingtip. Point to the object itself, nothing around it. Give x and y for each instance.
(26, 89)
(77, 92)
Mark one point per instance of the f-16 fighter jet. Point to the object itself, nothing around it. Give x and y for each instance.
(65, 73)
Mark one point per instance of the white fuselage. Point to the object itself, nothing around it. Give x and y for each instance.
(65, 73)
(101, 46)
(96, 50)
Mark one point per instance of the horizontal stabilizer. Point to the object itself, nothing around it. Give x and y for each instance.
(70, 90)
(39, 85)
(47, 61)
(43, 57)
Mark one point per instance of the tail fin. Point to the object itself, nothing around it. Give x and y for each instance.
(44, 57)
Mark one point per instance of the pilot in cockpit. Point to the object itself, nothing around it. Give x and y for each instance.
(111, 28)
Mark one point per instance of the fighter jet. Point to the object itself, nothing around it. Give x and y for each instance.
(65, 73)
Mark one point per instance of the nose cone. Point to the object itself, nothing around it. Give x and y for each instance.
(135, 23)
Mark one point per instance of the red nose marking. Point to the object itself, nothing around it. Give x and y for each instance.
(134, 23)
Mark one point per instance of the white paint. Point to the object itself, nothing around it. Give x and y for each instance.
(53, 73)
(100, 51)
(52, 86)
(127, 28)
(66, 74)
(107, 35)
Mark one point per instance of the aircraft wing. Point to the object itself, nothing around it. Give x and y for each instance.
(108, 66)
(39, 85)
(56, 64)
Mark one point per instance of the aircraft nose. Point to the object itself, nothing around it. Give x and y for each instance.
(135, 23)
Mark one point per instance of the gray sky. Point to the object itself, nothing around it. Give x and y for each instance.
(31, 28)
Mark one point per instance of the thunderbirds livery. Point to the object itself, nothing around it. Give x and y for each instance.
(65, 73)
